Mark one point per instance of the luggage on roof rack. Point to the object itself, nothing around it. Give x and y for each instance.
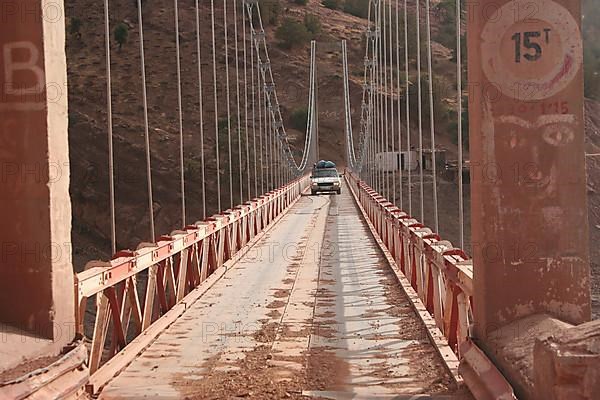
(324, 164)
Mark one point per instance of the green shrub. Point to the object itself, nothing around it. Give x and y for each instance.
(75, 27)
(591, 70)
(358, 8)
(72, 119)
(291, 33)
(440, 91)
(121, 33)
(192, 166)
(301, 2)
(331, 4)
(453, 127)
(269, 11)
(412, 38)
(312, 24)
(298, 119)
(223, 126)
(446, 32)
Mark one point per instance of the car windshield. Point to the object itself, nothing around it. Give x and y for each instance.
(325, 173)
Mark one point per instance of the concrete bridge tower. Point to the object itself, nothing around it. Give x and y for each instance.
(528, 182)
(36, 275)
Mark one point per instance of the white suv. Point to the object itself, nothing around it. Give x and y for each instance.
(325, 180)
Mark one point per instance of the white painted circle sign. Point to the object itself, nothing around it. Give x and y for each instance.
(531, 49)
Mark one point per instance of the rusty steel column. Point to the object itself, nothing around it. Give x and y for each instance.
(36, 276)
(528, 182)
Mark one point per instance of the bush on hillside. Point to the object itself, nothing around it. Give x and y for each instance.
(298, 119)
(332, 4)
(312, 24)
(591, 70)
(192, 166)
(453, 128)
(75, 27)
(291, 34)
(301, 2)
(224, 137)
(121, 34)
(441, 89)
(445, 12)
(269, 11)
(358, 8)
(412, 39)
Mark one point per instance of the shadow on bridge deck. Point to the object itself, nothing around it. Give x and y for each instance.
(311, 311)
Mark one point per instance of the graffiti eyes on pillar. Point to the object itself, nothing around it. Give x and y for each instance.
(560, 134)
(557, 129)
(530, 42)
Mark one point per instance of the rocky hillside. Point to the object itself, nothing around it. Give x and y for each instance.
(88, 121)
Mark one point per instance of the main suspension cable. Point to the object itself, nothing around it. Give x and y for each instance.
(271, 103)
(267, 132)
(310, 122)
(347, 117)
(358, 162)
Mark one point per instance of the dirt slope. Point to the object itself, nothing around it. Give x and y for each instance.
(88, 120)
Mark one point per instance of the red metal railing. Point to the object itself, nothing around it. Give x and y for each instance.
(163, 273)
(442, 276)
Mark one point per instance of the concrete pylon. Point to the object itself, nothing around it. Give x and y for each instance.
(36, 275)
(528, 181)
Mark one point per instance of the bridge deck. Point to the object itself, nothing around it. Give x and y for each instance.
(312, 308)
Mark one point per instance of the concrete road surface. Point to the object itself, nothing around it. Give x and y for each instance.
(313, 310)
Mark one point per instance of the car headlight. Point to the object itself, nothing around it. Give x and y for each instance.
(336, 184)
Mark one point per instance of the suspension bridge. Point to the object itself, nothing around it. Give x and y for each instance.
(274, 293)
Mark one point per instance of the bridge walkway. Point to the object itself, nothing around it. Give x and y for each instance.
(312, 310)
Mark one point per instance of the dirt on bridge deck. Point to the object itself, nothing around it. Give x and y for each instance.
(313, 311)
